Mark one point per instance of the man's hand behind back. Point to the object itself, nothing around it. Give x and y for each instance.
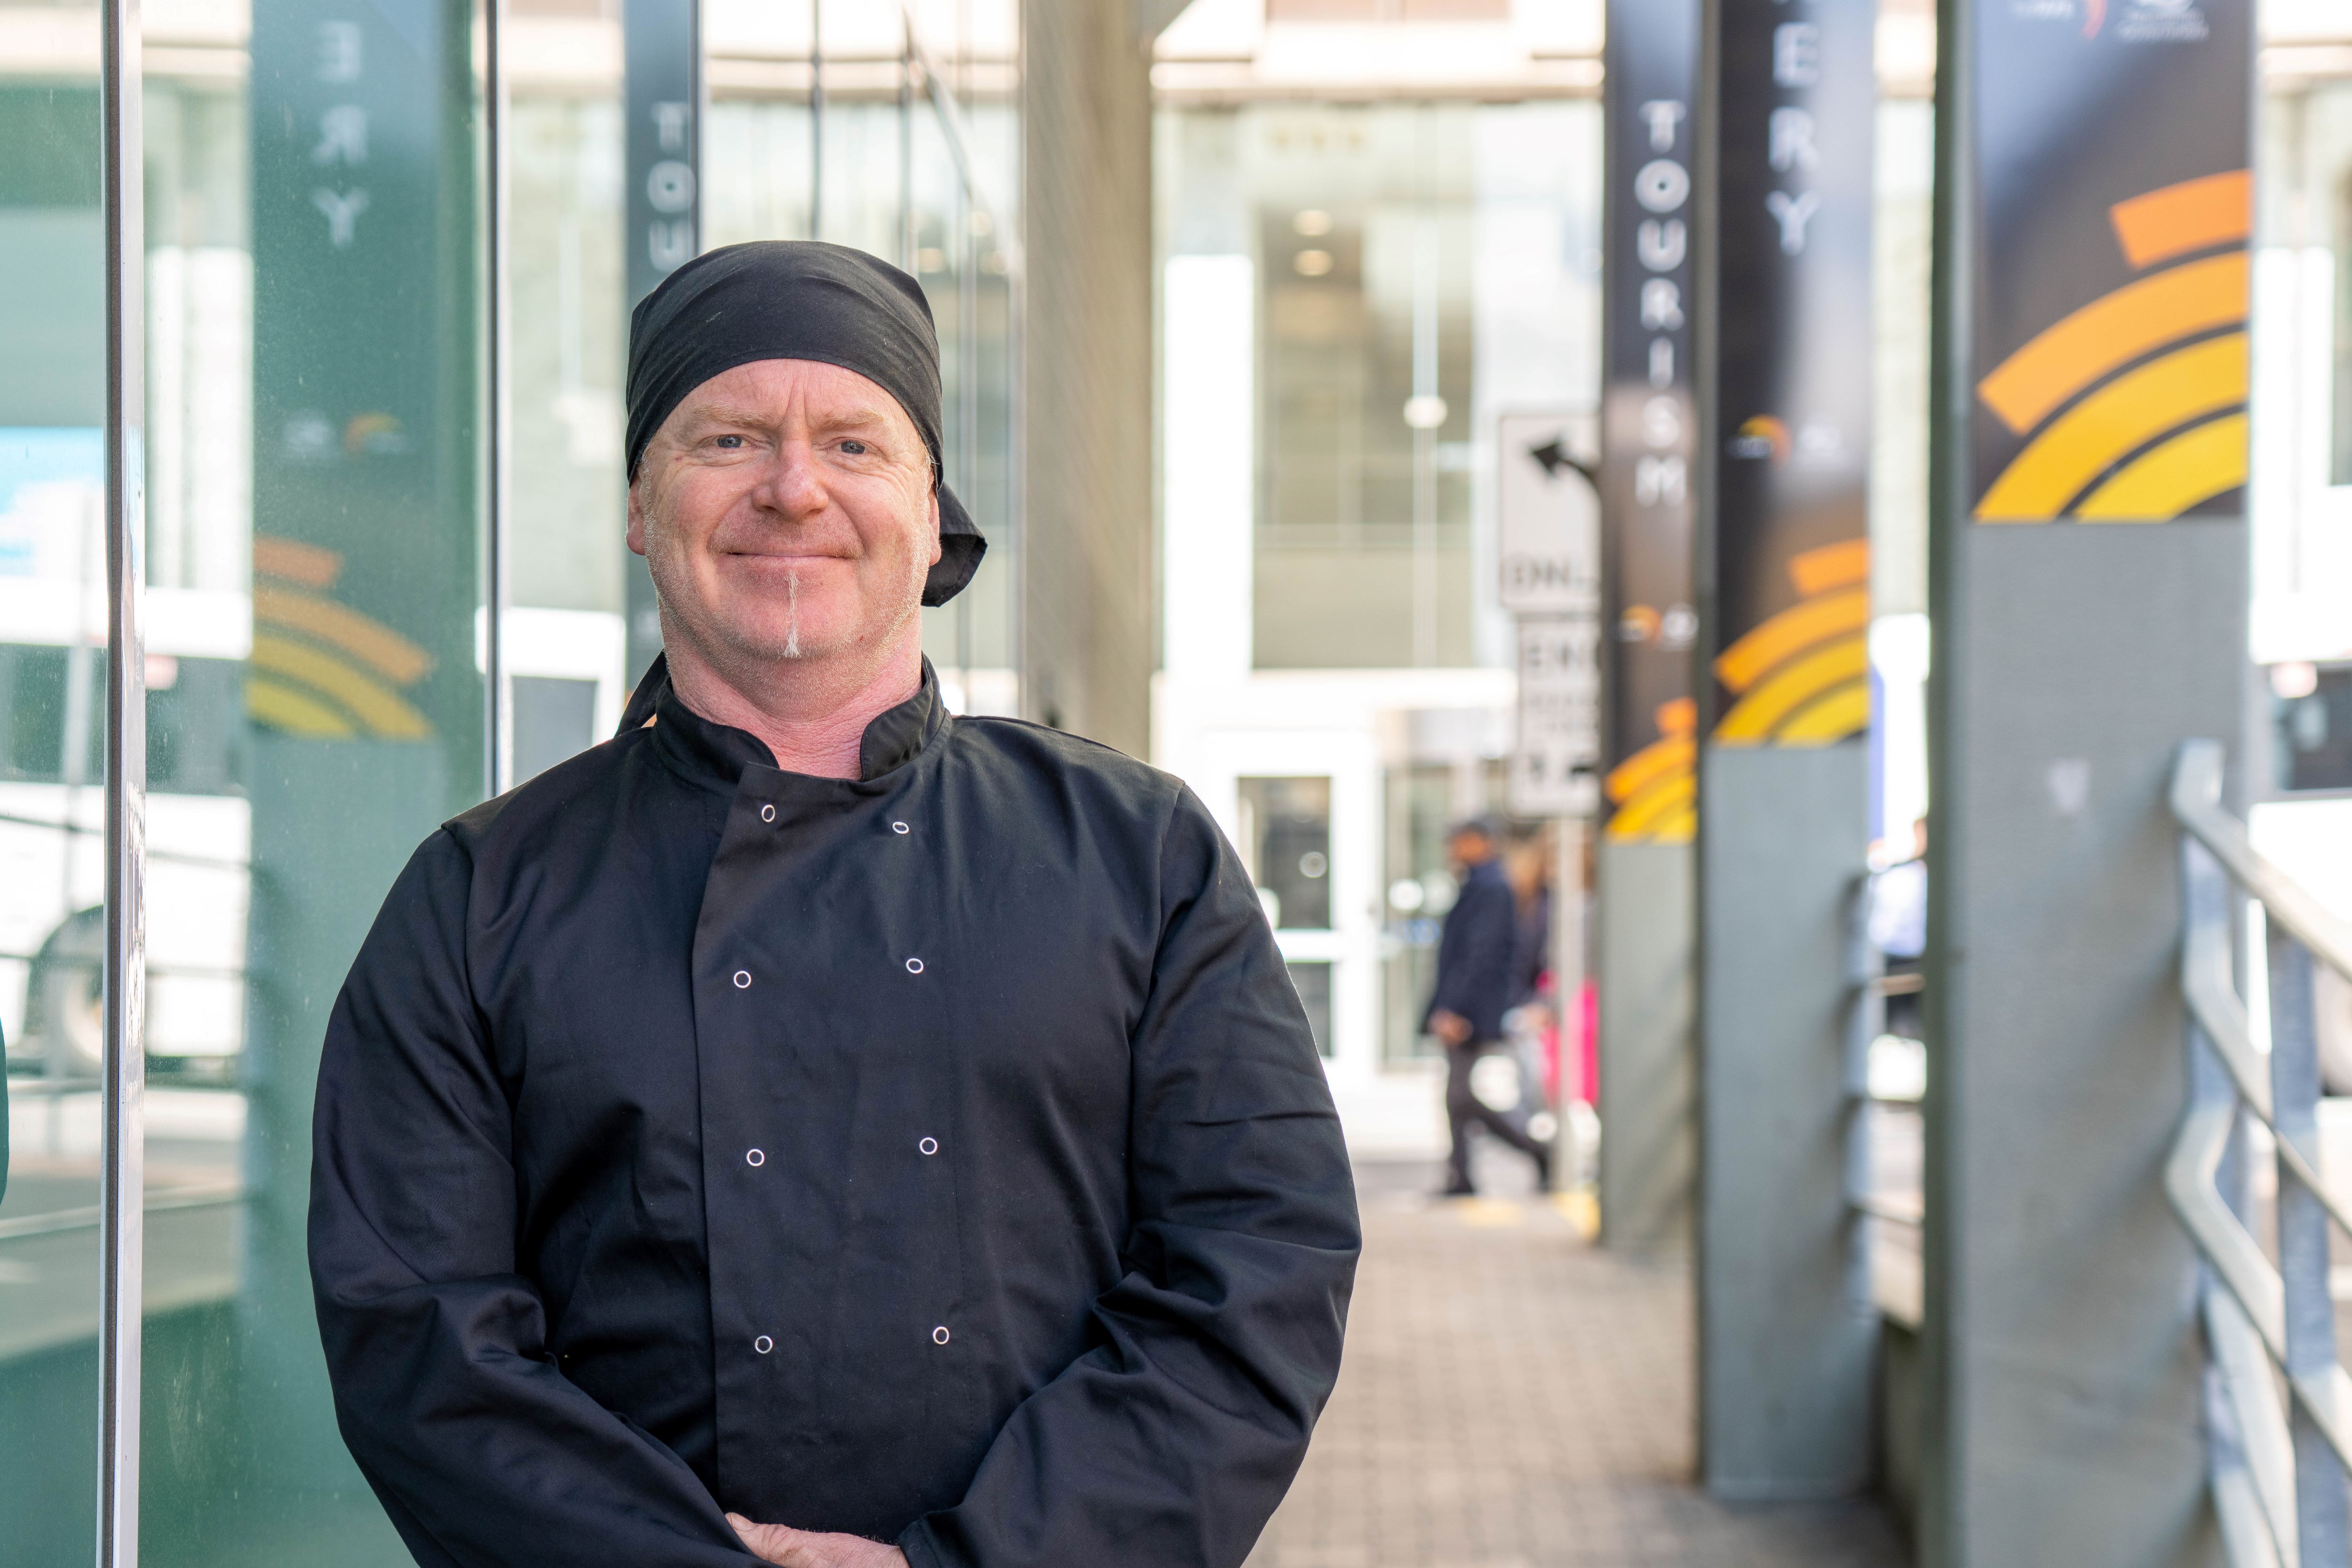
(791, 1548)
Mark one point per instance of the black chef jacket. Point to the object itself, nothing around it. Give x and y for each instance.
(941, 1155)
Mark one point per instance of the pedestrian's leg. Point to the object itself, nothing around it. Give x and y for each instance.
(1461, 1106)
(1496, 1122)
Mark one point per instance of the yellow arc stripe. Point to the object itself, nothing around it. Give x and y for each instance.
(1836, 715)
(1660, 800)
(2128, 412)
(283, 707)
(1755, 716)
(1636, 773)
(1827, 566)
(2165, 482)
(2115, 329)
(379, 709)
(1679, 828)
(1795, 628)
(370, 642)
(2172, 220)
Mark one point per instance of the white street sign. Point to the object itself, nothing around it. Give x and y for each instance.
(1548, 514)
(1554, 766)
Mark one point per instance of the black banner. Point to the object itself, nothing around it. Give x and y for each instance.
(1790, 137)
(662, 64)
(2113, 201)
(1649, 418)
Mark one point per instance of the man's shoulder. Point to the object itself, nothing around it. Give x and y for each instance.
(547, 797)
(1059, 761)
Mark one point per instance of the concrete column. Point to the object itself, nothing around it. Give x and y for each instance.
(2088, 595)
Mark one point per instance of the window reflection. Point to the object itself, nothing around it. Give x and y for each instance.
(52, 670)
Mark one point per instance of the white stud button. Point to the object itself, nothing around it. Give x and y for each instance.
(755, 1157)
(928, 1145)
(767, 814)
(914, 966)
(763, 1344)
(743, 979)
(939, 1336)
(899, 828)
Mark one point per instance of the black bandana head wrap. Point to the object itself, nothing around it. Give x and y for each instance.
(799, 299)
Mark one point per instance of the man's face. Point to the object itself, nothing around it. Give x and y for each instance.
(1468, 850)
(785, 509)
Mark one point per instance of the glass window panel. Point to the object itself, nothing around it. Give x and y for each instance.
(569, 335)
(1421, 888)
(1422, 267)
(1286, 842)
(554, 718)
(1313, 982)
(52, 673)
(316, 697)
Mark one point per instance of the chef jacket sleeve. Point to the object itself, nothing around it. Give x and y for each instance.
(482, 1452)
(1170, 1442)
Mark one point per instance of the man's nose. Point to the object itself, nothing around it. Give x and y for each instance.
(793, 487)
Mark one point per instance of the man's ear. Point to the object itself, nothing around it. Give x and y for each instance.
(935, 525)
(636, 535)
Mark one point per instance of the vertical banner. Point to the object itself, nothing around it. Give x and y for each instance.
(2110, 287)
(2094, 208)
(1644, 933)
(1788, 1330)
(1650, 421)
(661, 43)
(1789, 532)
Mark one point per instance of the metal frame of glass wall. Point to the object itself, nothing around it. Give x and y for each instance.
(361, 633)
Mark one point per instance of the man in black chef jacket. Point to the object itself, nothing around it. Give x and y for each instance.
(809, 1127)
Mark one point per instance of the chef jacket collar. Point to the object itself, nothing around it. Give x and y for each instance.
(716, 754)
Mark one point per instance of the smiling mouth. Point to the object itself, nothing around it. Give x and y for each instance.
(789, 558)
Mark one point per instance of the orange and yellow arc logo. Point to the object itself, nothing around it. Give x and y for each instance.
(2135, 404)
(1802, 678)
(321, 668)
(1654, 792)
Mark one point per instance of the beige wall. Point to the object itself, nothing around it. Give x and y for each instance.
(1086, 567)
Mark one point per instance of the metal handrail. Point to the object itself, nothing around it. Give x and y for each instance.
(1867, 987)
(2277, 1472)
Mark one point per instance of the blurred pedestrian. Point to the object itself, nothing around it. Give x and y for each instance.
(1480, 959)
(1527, 867)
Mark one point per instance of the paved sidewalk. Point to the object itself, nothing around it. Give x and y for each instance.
(1516, 1398)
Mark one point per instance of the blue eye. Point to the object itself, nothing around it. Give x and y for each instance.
(730, 443)
(855, 449)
